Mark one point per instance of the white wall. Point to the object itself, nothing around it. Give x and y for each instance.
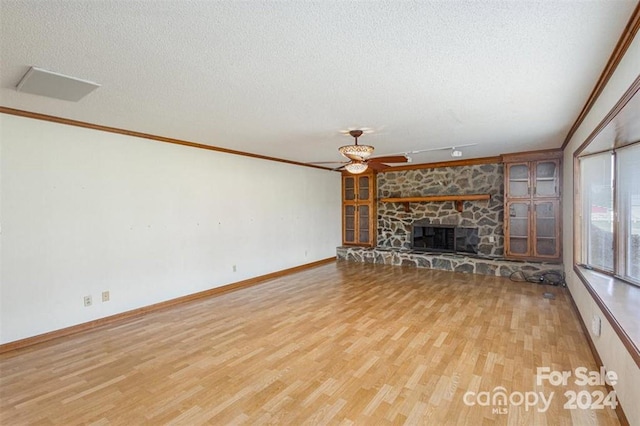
(610, 348)
(83, 211)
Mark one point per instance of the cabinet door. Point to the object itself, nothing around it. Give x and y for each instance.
(518, 228)
(518, 180)
(348, 188)
(364, 217)
(358, 209)
(349, 223)
(546, 229)
(546, 178)
(364, 188)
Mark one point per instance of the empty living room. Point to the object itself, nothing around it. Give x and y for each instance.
(319, 212)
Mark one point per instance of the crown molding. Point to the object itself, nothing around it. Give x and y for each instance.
(76, 123)
(454, 163)
(611, 115)
(625, 40)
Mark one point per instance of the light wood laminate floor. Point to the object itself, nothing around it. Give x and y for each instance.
(345, 343)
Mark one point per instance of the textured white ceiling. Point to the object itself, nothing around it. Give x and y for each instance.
(283, 78)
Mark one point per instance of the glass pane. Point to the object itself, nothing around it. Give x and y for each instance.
(518, 180)
(546, 229)
(519, 228)
(518, 245)
(597, 211)
(363, 188)
(546, 247)
(349, 236)
(545, 220)
(349, 217)
(349, 223)
(546, 170)
(546, 178)
(363, 216)
(519, 171)
(363, 224)
(519, 219)
(349, 188)
(629, 210)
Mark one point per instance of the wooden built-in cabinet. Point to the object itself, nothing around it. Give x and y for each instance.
(532, 220)
(359, 218)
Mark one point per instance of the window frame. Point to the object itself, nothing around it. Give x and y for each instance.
(624, 217)
(585, 228)
(578, 208)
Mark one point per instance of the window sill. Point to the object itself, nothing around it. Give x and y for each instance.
(619, 302)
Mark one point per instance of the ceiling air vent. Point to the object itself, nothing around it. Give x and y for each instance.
(46, 83)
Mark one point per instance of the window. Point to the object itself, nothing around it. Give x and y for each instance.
(597, 211)
(628, 176)
(610, 202)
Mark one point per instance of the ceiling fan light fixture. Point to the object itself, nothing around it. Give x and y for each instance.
(356, 167)
(456, 153)
(362, 151)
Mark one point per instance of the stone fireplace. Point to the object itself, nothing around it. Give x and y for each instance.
(395, 225)
(479, 226)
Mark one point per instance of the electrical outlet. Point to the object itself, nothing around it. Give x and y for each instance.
(105, 296)
(492, 239)
(87, 301)
(234, 268)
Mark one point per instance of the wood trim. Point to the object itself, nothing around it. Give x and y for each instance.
(456, 163)
(624, 337)
(30, 341)
(69, 122)
(626, 38)
(515, 156)
(619, 411)
(457, 199)
(577, 212)
(622, 102)
(526, 156)
(432, 198)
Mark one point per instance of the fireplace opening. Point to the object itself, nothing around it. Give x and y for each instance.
(444, 238)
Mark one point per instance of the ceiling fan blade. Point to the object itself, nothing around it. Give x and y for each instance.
(327, 162)
(338, 168)
(354, 157)
(389, 159)
(377, 166)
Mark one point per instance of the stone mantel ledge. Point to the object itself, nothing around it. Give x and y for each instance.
(445, 261)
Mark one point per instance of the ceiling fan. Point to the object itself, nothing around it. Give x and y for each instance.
(360, 157)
